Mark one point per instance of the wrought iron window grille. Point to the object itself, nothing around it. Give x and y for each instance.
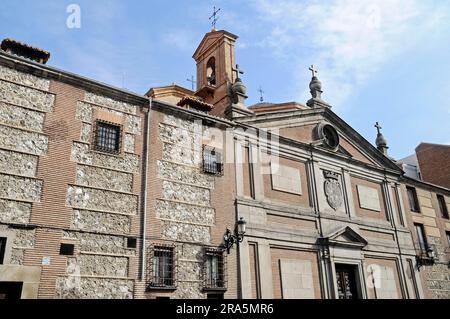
(107, 137)
(214, 270)
(212, 161)
(161, 267)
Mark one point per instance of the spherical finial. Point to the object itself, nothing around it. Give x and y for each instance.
(239, 87)
(315, 84)
(381, 141)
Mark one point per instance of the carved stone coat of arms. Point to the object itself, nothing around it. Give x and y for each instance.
(333, 190)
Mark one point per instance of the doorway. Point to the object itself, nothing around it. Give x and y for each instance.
(346, 281)
(11, 290)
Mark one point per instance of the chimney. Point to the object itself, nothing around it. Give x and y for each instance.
(25, 51)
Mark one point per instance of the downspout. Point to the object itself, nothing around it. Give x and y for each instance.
(144, 188)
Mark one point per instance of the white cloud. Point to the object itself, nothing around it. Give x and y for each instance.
(349, 40)
(181, 39)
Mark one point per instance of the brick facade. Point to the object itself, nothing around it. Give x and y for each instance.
(315, 214)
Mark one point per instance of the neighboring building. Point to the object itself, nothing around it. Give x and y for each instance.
(109, 194)
(430, 163)
(434, 163)
(410, 165)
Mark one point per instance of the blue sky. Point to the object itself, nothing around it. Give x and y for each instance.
(385, 60)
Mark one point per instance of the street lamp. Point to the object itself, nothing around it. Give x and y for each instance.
(427, 258)
(230, 239)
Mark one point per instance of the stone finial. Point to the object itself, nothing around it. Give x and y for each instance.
(238, 94)
(315, 87)
(381, 141)
(239, 91)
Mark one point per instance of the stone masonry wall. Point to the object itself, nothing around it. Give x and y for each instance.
(103, 202)
(24, 101)
(436, 278)
(185, 209)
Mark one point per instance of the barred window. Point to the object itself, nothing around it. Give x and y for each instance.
(2, 249)
(212, 161)
(107, 137)
(163, 267)
(214, 269)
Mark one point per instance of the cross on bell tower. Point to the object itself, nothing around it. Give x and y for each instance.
(213, 18)
(218, 75)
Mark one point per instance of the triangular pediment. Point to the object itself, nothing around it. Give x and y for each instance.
(345, 237)
(210, 39)
(302, 126)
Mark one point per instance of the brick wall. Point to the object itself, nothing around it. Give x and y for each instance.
(434, 163)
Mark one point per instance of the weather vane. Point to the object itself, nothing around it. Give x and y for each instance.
(214, 17)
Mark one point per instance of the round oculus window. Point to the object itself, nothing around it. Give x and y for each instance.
(330, 136)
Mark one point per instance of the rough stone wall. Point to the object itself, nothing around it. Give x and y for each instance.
(26, 97)
(22, 239)
(103, 202)
(96, 265)
(101, 222)
(23, 141)
(184, 209)
(19, 188)
(94, 288)
(18, 163)
(437, 277)
(14, 116)
(24, 102)
(24, 78)
(103, 178)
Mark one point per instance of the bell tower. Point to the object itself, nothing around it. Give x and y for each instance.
(215, 62)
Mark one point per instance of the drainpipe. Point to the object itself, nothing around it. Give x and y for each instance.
(144, 187)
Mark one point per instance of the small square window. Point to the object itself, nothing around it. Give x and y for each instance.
(67, 249)
(107, 137)
(413, 200)
(443, 206)
(212, 161)
(131, 242)
(2, 249)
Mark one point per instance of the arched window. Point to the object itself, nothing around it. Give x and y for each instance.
(211, 72)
